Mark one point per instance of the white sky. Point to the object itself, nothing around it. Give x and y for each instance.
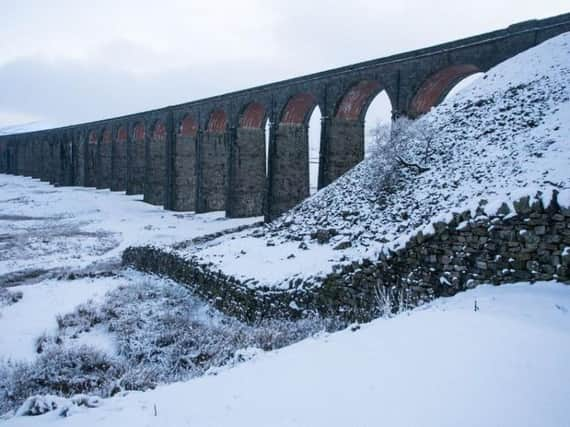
(64, 61)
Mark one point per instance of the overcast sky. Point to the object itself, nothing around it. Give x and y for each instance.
(69, 61)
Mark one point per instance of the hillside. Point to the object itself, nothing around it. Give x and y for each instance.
(505, 136)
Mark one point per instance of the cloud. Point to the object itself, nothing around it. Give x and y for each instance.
(67, 61)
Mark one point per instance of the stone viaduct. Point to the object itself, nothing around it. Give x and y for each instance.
(210, 154)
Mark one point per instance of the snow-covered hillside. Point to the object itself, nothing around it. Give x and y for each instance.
(445, 364)
(45, 229)
(505, 136)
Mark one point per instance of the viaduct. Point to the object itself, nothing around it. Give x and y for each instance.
(210, 154)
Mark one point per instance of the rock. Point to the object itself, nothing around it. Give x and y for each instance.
(522, 206)
(324, 235)
(345, 244)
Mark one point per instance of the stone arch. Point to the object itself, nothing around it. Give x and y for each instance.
(93, 137)
(298, 108)
(253, 116)
(106, 136)
(213, 163)
(289, 177)
(122, 134)
(247, 168)
(183, 184)
(139, 131)
(187, 127)
(435, 88)
(217, 121)
(355, 101)
(159, 130)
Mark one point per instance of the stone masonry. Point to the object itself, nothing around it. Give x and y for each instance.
(154, 187)
(530, 243)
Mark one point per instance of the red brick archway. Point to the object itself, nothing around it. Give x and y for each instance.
(253, 116)
(217, 121)
(354, 103)
(437, 86)
(139, 132)
(106, 136)
(159, 131)
(188, 126)
(298, 108)
(122, 134)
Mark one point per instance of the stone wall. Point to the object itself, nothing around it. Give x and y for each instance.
(119, 164)
(532, 243)
(289, 168)
(3, 156)
(154, 187)
(344, 148)
(136, 166)
(184, 180)
(213, 164)
(79, 146)
(104, 158)
(91, 164)
(247, 173)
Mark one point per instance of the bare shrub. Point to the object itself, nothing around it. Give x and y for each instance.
(59, 371)
(405, 146)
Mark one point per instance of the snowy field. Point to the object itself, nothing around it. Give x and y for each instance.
(504, 136)
(441, 365)
(23, 322)
(49, 230)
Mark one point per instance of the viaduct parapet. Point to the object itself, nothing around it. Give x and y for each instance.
(211, 154)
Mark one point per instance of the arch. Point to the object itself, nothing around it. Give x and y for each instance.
(217, 121)
(378, 113)
(298, 108)
(253, 116)
(434, 89)
(354, 103)
(138, 132)
(159, 131)
(314, 148)
(106, 139)
(122, 134)
(92, 137)
(188, 126)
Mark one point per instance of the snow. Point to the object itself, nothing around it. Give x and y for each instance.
(73, 227)
(502, 137)
(441, 365)
(23, 322)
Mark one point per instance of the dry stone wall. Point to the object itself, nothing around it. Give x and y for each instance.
(525, 242)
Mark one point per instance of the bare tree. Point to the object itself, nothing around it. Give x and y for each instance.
(405, 145)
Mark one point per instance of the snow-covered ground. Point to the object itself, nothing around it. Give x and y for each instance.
(504, 136)
(45, 228)
(23, 322)
(440, 365)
